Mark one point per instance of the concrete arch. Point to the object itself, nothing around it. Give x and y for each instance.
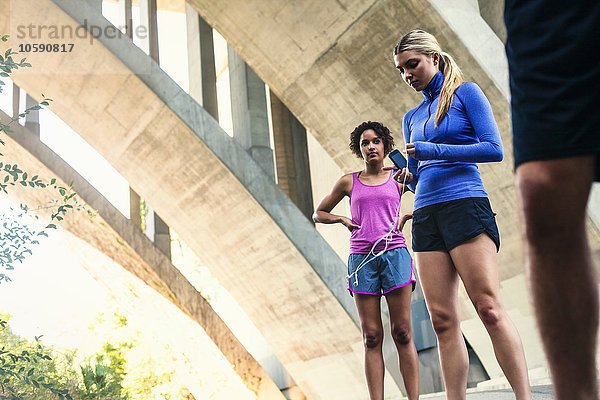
(118, 238)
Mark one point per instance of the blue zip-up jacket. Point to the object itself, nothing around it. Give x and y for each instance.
(444, 165)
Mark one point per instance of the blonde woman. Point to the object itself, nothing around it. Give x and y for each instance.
(454, 228)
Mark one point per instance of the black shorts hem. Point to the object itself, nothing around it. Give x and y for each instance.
(556, 156)
(553, 155)
(466, 239)
(435, 248)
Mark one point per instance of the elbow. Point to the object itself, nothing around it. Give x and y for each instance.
(315, 217)
(496, 153)
(496, 157)
(499, 156)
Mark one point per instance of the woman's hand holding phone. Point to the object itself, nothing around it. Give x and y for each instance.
(403, 173)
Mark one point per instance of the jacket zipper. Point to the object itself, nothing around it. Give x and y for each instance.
(428, 118)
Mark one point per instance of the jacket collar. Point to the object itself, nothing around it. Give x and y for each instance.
(434, 87)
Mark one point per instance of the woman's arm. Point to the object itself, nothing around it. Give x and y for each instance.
(323, 212)
(479, 112)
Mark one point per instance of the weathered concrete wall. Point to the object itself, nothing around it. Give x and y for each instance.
(492, 11)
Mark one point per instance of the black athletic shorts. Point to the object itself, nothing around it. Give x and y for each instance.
(444, 226)
(553, 50)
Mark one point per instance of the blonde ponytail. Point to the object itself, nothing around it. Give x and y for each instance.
(452, 80)
(425, 43)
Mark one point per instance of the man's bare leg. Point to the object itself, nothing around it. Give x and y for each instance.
(554, 196)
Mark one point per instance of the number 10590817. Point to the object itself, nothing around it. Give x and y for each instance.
(46, 47)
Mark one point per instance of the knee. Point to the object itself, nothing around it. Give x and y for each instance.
(537, 219)
(556, 221)
(443, 322)
(372, 338)
(401, 334)
(489, 312)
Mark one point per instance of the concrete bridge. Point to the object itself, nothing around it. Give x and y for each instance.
(330, 63)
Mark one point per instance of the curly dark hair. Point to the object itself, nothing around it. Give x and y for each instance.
(381, 130)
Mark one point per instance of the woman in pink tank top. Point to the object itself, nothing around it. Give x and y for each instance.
(379, 263)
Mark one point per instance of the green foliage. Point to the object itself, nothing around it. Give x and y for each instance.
(28, 371)
(16, 238)
(121, 370)
(103, 378)
(145, 375)
(7, 64)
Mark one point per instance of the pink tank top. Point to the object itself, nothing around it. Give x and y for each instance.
(374, 209)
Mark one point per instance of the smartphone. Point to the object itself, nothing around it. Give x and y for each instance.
(398, 159)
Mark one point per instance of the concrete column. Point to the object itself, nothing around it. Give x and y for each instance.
(127, 18)
(134, 208)
(148, 18)
(162, 236)
(201, 62)
(249, 112)
(291, 156)
(16, 100)
(32, 120)
(134, 199)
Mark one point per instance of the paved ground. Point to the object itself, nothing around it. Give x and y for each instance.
(543, 392)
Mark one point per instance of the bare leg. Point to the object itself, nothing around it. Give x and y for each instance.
(439, 281)
(369, 312)
(476, 262)
(562, 274)
(399, 306)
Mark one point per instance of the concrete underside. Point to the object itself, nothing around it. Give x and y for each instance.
(190, 183)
